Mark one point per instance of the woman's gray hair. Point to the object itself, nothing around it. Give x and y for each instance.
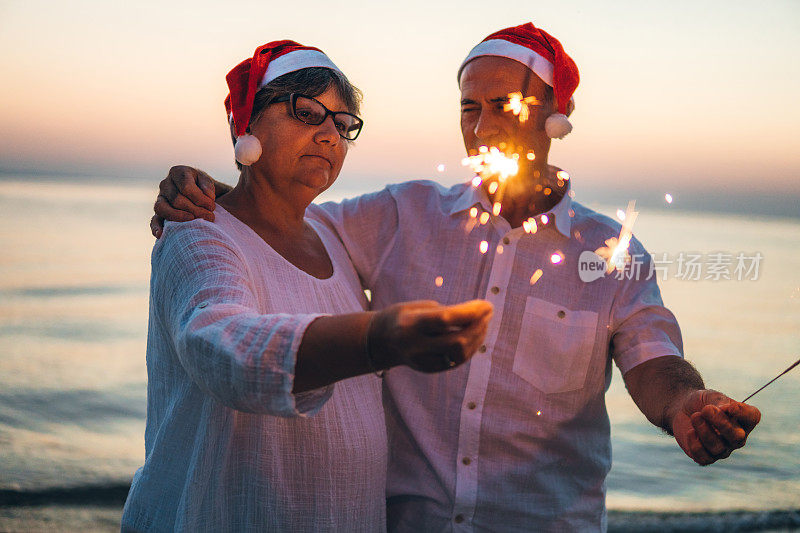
(312, 81)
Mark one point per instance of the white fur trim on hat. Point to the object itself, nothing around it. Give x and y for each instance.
(500, 47)
(299, 59)
(247, 149)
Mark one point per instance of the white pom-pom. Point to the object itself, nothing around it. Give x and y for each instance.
(557, 126)
(247, 149)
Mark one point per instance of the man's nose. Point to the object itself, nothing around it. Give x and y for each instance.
(487, 126)
(327, 132)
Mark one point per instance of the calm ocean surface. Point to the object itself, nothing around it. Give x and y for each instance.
(73, 322)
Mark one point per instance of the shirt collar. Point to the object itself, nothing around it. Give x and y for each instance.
(472, 196)
(469, 198)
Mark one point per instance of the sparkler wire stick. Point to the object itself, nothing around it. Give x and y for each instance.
(773, 379)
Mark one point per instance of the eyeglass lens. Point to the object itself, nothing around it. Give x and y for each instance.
(313, 112)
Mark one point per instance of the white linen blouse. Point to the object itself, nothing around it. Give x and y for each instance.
(228, 446)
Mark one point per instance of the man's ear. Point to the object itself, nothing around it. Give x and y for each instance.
(570, 107)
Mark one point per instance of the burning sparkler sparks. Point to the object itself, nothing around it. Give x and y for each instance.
(668, 198)
(493, 165)
(492, 162)
(439, 281)
(615, 252)
(529, 225)
(556, 258)
(536, 276)
(519, 105)
(483, 247)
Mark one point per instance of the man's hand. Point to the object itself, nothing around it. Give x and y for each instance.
(709, 426)
(427, 336)
(185, 194)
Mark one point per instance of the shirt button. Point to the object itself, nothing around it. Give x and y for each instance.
(472, 405)
(458, 519)
(506, 240)
(494, 290)
(482, 349)
(561, 314)
(466, 460)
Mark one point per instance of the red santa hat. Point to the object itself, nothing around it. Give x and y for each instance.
(245, 79)
(544, 55)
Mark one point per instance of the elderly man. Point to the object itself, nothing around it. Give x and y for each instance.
(518, 439)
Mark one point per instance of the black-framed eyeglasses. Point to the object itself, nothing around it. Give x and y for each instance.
(311, 111)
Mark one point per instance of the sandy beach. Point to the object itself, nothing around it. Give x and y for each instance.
(99, 508)
(100, 518)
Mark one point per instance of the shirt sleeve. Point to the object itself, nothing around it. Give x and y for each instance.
(202, 294)
(367, 226)
(642, 328)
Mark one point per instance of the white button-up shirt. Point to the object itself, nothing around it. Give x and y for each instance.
(228, 446)
(518, 438)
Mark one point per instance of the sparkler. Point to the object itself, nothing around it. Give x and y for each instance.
(518, 105)
(615, 252)
(773, 379)
(490, 162)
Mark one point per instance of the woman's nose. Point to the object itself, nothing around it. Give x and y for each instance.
(327, 132)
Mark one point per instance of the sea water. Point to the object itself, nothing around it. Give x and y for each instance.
(74, 274)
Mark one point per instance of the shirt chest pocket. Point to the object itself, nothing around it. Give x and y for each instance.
(555, 346)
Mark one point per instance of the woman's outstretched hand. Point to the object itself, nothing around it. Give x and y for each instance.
(427, 336)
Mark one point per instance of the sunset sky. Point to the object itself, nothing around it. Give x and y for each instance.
(701, 94)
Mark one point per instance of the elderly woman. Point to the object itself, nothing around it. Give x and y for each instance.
(263, 412)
